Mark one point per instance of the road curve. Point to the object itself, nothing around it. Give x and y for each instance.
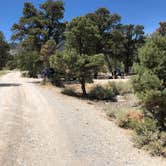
(41, 127)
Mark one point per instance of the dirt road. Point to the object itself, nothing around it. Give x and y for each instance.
(41, 127)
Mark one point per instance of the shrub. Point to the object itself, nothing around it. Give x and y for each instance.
(102, 93)
(150, 82)
(146, 132)
(155, 106)
(158, 147)
(128, 119)
(123, 120)
(150, 137)
(69, 91)
(121, 88)
(56, 80)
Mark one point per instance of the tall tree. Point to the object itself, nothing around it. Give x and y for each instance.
(83, 35)
(36, 26)
(82, 67)
(52, 13)
(134, 38)
(28, 30)
(4, 51)
(106, 23)
(111, 38)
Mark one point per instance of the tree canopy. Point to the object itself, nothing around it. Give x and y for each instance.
(36, 26)
(4, 51)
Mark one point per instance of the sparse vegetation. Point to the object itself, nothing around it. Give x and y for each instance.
(103, 93)
(95, 43)
(122, 88)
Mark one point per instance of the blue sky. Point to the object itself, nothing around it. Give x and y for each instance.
(146, 12)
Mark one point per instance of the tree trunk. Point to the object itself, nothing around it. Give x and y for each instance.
(127, 66)
(95, 75)
(127, 69)
(83, 87)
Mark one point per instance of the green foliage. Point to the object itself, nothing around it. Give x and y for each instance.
(62, 63)
(106, 22)
(29, 61)
(146, 132)
(102, 93)
(122, 120)
(38, 31)
(37, 26)
(150, 138)
(82, 69)
(150, 82)
(82, 35)
(47, 50)
(155, 106)
(4, 48)
(128, 119)
(145, 82)
(133, 39)
(121, 88)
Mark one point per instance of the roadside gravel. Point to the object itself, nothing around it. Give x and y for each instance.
(41, 127)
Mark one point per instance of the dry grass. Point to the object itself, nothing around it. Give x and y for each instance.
(3, 72)
(102, 82)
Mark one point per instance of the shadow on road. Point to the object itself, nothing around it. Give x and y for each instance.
(8, 84)
(34, 82)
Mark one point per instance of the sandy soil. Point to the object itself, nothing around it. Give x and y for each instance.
(41, 127)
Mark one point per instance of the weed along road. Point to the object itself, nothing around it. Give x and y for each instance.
(41, 127)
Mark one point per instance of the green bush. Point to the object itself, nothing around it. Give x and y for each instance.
(102, 93)
(150, 137)
(155, 106)
(150, 82)
(146, 132)
(69, 91)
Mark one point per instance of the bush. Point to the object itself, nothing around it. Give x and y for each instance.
(158, 147)
(69, 91)
(150, 137)
(150, 82)
(56, 80)
(102, 93)
(128, 119)
(122, 120)
(121, 88)
(146, 132)
(155, 106)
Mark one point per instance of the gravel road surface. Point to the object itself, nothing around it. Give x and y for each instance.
(41, 127)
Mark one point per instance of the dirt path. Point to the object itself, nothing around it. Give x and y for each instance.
(41, 127)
